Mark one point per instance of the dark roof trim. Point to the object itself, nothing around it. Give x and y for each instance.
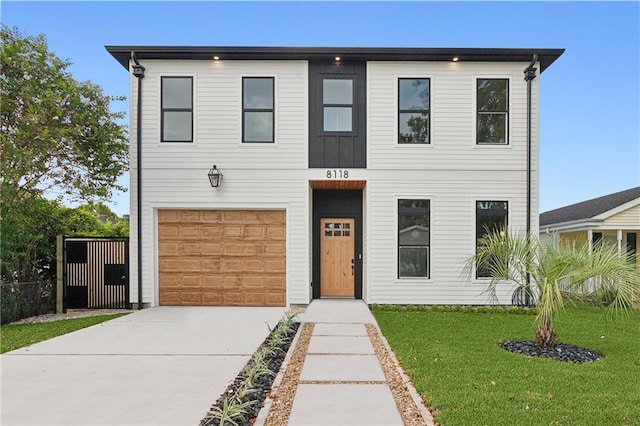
(590, 208)
(123, 54)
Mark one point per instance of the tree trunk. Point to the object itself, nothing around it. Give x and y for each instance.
(545, 336)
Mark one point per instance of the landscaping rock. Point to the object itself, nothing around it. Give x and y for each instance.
(561, 352)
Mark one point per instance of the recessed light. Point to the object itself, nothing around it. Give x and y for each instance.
(216, 58)
(455, 59)
(337, 58)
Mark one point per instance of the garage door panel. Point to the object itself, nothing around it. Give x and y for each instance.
(254, 232)
(228, 257)
(190, 231)
(275, 299)
(211, 216)
(177, 264)
(232, 298)
(275, 249)
(212, 248)
(168, 231)
(212, 297)
(232, 231)
(211, 265)
(275, 232)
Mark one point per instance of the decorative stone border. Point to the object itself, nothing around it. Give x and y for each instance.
(408, 401)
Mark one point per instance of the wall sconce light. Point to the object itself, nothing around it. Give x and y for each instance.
(215, 177)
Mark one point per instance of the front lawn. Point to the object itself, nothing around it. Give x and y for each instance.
(455, 363)
(20, 335)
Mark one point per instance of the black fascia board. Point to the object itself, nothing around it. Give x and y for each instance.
(123, 53)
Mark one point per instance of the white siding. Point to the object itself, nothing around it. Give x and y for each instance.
(175, 174)
(453, 172)
(453, 196)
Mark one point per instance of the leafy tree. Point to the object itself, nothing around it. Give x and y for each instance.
(55, 133)
(29, 236)
(541, 270)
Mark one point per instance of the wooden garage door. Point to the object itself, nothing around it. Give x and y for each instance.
(222, 257)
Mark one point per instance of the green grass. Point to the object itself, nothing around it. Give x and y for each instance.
(455, 363)
(21, 335)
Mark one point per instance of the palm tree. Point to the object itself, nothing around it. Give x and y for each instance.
(540, 269)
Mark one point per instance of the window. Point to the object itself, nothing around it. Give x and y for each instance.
(257, 109)
(413, 238)
(413, 110)
(337, 105)
(177, 109)
(491, 216)
(493, 111)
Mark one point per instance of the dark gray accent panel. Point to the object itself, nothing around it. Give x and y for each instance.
(337, 149)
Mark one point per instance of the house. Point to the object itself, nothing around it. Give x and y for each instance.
(365, 173)
(614, 218)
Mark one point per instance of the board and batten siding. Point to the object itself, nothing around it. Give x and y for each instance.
(174, 175)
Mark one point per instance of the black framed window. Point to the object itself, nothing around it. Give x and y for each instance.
(492, 99)
(491, 216)
(257, 109)
(337, 105)
(177, 109)
(413, 238)
(413, 110)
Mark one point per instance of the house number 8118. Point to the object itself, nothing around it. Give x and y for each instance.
(337, 174)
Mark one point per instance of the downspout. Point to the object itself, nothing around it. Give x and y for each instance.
(138, 72)
(529, 75)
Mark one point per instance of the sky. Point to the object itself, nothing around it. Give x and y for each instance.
(589, 98)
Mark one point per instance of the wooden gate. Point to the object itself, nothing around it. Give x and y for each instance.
(95, 273)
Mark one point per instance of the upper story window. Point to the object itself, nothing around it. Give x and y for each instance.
(413, 238)
(257, 109)
(413, 110)
(337, 105)
(492, 111)
(491, 216)
(177, 109)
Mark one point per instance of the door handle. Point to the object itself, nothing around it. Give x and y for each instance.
(352, 266)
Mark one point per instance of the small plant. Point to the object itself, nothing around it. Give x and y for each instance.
(257, 368)
(245, 391)
(231, 413)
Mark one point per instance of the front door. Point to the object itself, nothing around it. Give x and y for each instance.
(337, 250)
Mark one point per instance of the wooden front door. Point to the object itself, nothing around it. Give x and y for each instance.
(337, 250)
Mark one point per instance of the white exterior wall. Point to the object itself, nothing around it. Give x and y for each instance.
(452, 172)
(174, 175)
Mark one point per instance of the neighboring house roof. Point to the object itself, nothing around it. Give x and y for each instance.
(590, 208)
(123, 53)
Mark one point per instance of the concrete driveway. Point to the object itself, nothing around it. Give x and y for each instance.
(158, 366)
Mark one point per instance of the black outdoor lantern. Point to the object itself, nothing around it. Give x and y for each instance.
(215, 177)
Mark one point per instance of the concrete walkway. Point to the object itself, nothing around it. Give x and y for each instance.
(342, 381)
